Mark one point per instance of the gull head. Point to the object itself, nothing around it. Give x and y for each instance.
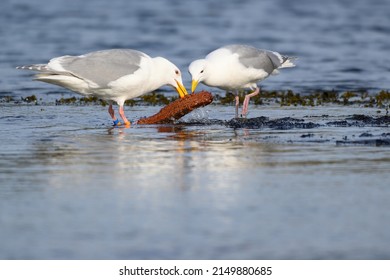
(197, 70)
(171, 75)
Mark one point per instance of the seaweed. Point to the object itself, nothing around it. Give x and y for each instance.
(380, 100)
(155, 98)
(30, 99)
(264, 122)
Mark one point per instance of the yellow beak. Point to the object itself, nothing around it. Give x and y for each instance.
(181, 90)
(194, 84)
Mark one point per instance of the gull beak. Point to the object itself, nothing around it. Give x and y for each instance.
(181, 90)
(194, 84)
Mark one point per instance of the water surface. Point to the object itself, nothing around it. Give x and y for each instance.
(73, 187)
(77, 188)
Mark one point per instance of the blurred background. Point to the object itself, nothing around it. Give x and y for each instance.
(341, 44)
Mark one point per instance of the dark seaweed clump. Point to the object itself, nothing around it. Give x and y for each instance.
(81, 101)
(369, 142)
(289, 98)
(32, 99)
(283, 98)
(147, 99)
(362, 121)
(293, 123)
(288, 123)
(264, 122)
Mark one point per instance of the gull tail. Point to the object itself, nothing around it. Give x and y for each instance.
(34, 67)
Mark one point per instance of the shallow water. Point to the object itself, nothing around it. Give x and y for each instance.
(73, 187)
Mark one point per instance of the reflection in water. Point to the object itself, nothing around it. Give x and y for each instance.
(176, 155)
(172, 155)
(170, 191)
(178, 150)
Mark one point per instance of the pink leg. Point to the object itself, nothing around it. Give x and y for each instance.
(111, 112)
(237, 103)
(246, 101)
(122, 114)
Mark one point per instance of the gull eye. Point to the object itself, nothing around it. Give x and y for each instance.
(177, 72)
(201, 71)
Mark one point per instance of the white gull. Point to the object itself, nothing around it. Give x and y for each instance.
(114, 75)
(237, 67)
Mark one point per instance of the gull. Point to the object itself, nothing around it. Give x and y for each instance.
(114, 75)
(237, 67)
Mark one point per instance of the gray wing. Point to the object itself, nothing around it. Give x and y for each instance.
(103, 67)
(256, 58)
